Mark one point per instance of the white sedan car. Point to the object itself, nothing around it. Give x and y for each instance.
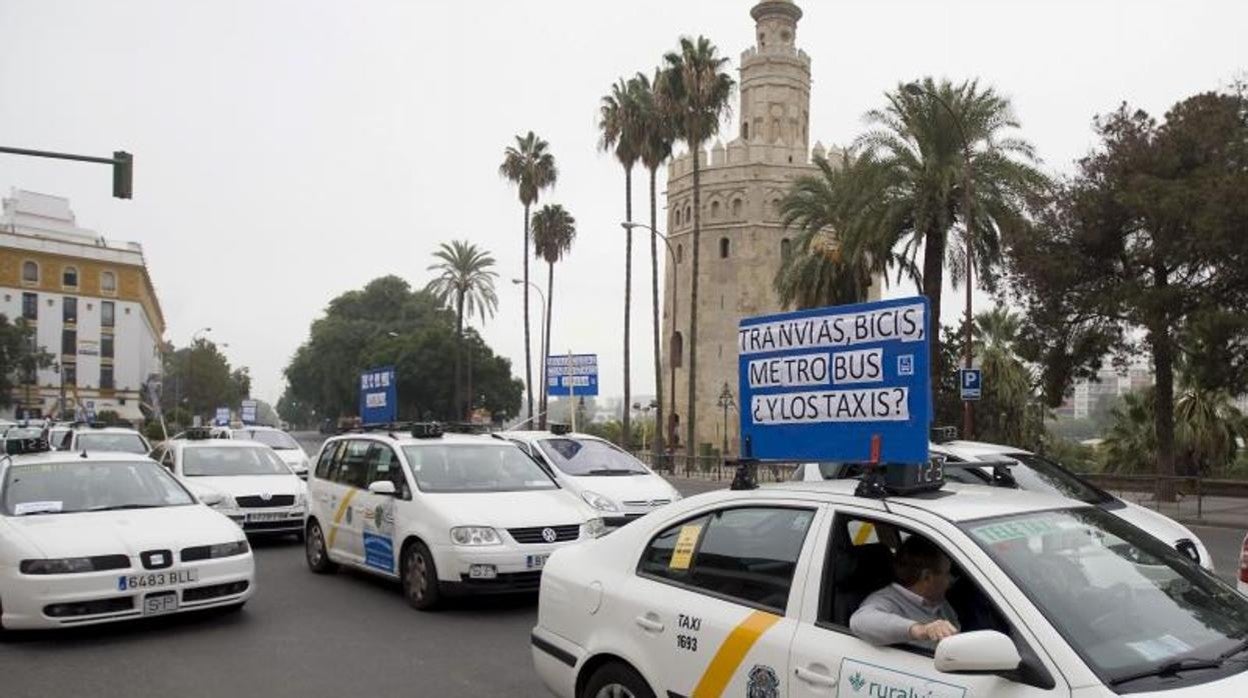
(608, 478)
(246, 481)
(283, 444)
(1036, 473)
(109, 537)
(749, 593)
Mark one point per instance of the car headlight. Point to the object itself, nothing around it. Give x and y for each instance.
(301, 499)
(598, 501)
(304, 463)
(475, 535)
(74, 565)
(595, 528)
(210, 552)
(219, 501)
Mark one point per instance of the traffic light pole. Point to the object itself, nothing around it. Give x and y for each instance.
(122, 162)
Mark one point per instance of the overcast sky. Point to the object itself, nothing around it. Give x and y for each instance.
(289, 151)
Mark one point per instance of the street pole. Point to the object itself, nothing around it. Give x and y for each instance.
(122, 163)
(671, 365)
(542, 406)
(571, 389)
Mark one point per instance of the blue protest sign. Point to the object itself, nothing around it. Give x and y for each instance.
(247, 411)
(846, 383)
(222, 418)
(572, 374)
(379, 396)
(972, 382)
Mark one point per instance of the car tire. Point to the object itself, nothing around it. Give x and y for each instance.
(316, 552)
(616, 680)
(420, 578)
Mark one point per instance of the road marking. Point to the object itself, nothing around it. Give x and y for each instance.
(342, 509)
(730, 654)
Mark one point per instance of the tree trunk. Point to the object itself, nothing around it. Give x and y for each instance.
(528, 352)
(657, 458)
(550, 304)
(933, 278)
(1163, 412)
(625, 436)
(458, 402)
(691, 418)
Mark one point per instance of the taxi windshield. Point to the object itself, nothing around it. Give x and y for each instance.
(590, 457)
(1039, 474)
(218, 461)
(475, 468)
(1129, 604)
(111, 441)
(276, 440)
(63, 488)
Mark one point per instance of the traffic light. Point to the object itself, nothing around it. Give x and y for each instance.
(123, 174)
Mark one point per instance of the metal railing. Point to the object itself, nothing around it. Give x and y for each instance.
(712, 467)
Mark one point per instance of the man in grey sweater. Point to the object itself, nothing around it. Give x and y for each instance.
(913, 610)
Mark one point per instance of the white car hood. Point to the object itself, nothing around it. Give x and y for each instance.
(245, 485)
(127, 532)
(509, 509)
(291, 456)
(1155, 524)
(621, 488)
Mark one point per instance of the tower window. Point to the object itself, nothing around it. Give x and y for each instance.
(680, 253)
(745, 130)
(786, 248)
(688, 215)
(736, 208)
(677, 216)
(30, 272)
(762, 39)
(723, 248)
(678, 350)
(714, 210)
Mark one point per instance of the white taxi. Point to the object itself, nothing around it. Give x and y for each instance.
(108, 537)
(608, 478)
(750, 593)
(443, 514)
(283, 444)
(246, 481)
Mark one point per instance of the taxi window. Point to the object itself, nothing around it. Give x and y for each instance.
(383, 464)
(746, 554)
(324, 463)
(351, 466)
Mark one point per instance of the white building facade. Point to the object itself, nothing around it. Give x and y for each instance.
(93, 307)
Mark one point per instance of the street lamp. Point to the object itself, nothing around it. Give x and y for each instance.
(645, 413)
(726, 402)
(917, 90)
(541, 401)
(671, 252)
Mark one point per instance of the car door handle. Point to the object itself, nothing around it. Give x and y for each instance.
(814, 678)
(650, 623)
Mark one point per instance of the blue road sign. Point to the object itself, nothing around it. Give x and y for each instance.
(222, 418)
(972, 382)
(572, 374)
(247, 411)
(379, 395)
(847, 383)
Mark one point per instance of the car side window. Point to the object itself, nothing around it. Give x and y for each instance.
(383, 464)
(326, 460)
(746, 554)
(352, 464)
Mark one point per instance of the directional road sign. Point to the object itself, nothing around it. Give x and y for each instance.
(572, 374)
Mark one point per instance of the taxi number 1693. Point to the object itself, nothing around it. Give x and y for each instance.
(157, 579)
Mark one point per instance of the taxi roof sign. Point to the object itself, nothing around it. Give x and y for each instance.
(844, 383)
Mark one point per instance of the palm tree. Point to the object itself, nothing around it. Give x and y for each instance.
(1131, 444)
(695, 89)
(917, 141)
(817, 271)
(530, 166)
(620, 123)
(1207, 428)
(658, 133)
(554, 229)
(465, 284)
(997, 329)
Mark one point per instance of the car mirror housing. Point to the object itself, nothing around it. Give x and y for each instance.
(980, 651)
(384, 487)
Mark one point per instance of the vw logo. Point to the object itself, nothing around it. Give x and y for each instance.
(548, 535)
(266, 496)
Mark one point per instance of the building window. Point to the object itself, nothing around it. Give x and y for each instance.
(106, 378)
(69, 342)
(108, 282)
(680, 253)
(106, 346)
(69, 310)
(723, 248)
(30, 272)
(678, 350)
(736, 208)
(108, 313)
(677, 216)
(688, 215)
(714, 210)
(745, 130)
(69, 374)
(786, 248)
(30, 306)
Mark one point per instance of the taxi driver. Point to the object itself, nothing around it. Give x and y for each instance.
(912, 610)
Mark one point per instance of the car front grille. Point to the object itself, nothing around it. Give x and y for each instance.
(89, 608)
(213, 591)
(533, 535)
(255, 502)
(287, 525)
(514, 581)
(641, 503)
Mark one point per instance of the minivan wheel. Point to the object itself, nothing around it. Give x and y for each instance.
(420, 578)
(616, 680)
(314, 547)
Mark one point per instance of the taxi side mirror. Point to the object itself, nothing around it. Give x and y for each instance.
(980, 651)
(384, 487)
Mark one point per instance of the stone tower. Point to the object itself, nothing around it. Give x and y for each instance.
(742, 240)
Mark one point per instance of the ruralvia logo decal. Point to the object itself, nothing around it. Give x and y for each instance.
(879, 682)
(857, 681)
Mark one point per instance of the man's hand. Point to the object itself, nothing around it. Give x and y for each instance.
(935, 631)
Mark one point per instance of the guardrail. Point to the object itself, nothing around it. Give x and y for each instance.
(712, 467)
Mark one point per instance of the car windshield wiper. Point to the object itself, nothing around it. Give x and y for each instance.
(1168, 669)
(118, 507)
(612, 471)
(1241, 646)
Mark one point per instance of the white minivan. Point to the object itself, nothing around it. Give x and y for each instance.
(608, 478)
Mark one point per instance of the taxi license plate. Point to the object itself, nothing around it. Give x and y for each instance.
(160, 603)
(157, 579)
(267, 516)
(535, 562)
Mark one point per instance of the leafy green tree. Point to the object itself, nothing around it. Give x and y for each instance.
(295, 412)
(554, 229)
(919, 158)
(695, 89)
(658, 133)
(1148, 235)
(20, 358)
(199, 379)
(530, 166)
(465, 284)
